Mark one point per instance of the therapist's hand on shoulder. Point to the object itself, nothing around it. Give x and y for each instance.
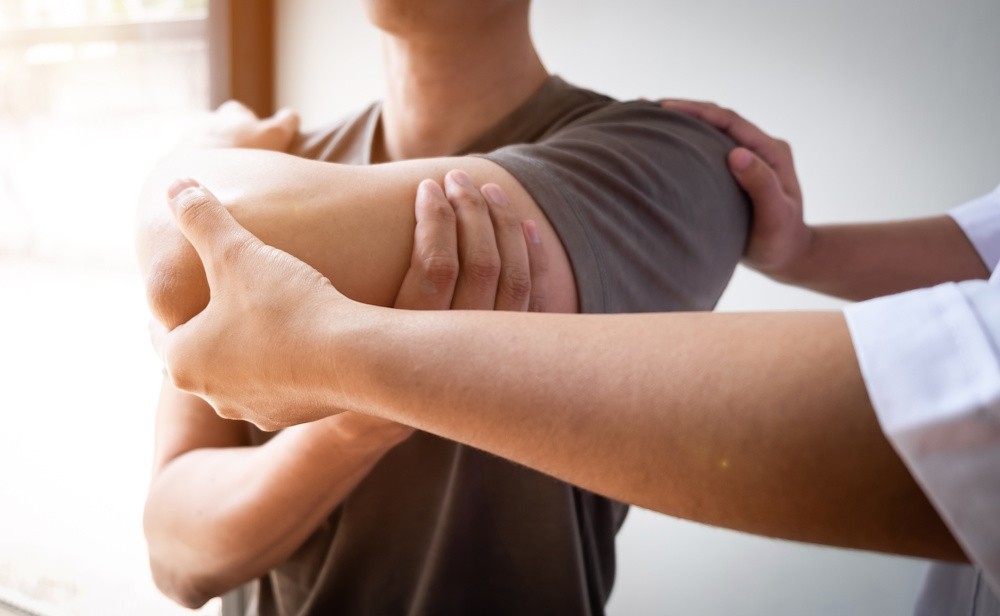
(764, 167)
(257, 350)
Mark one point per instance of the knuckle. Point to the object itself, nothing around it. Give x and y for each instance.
(181, 378)
(439, 210)
(515, 282)
(234, 250)
(439, 269)
(463, 197)
(482, 267)
(196, 209)
(226, 412)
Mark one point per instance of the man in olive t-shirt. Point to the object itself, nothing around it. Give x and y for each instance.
(438, 527)
(650, 219)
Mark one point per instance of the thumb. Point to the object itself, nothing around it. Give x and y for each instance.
(208, 225)
(757, 178)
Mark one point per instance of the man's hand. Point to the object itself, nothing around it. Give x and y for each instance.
(234, 125)
(763, 166)
(253, 352)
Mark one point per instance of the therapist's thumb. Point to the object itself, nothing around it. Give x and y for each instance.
(209, 226)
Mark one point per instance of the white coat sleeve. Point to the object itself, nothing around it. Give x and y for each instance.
(931, 365)
(980, 220)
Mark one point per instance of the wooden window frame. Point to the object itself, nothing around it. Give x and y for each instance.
(241, 53)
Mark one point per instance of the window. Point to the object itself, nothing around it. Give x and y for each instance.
(92, 92)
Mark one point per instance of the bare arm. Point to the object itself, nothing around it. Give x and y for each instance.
(353, 224)
(220, 513)
(852, 261)
(756, 422)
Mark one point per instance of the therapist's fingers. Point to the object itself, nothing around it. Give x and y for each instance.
(479, 258)
(219, 240)
(775, 152)
(514, 283)
(429, 283)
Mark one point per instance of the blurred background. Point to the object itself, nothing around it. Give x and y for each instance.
(891, 107)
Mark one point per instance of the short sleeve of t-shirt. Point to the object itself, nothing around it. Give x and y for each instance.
(643, 203)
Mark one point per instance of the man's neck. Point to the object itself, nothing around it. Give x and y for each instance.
(442, 94)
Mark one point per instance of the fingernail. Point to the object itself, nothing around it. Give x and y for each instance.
(495, 194)
(430, 189)
(461, 178)
(187, 196)
(740, 159)
(532, 229)
(178, 185)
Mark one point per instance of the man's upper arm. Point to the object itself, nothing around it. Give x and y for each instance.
(643, 202)
(639, 198)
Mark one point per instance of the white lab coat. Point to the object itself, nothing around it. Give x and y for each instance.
(931, 363)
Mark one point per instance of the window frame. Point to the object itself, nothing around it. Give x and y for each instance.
(241, 53)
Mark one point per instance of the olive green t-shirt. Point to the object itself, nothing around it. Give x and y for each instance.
(651, 220)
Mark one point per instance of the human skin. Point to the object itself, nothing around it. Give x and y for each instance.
(757, 422)
(310, 468)
(219, 512)
(853, 261)
(750, 435)
(202, 459)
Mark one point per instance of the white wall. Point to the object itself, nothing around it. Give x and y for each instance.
(892, 108)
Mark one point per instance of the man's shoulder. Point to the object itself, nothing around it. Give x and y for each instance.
(636, 118)
(346, 140)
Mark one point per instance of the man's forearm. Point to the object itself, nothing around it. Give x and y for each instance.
(217, 517)
(352, 223)
(759, 423)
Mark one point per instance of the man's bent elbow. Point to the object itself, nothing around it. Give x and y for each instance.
(184, 589)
